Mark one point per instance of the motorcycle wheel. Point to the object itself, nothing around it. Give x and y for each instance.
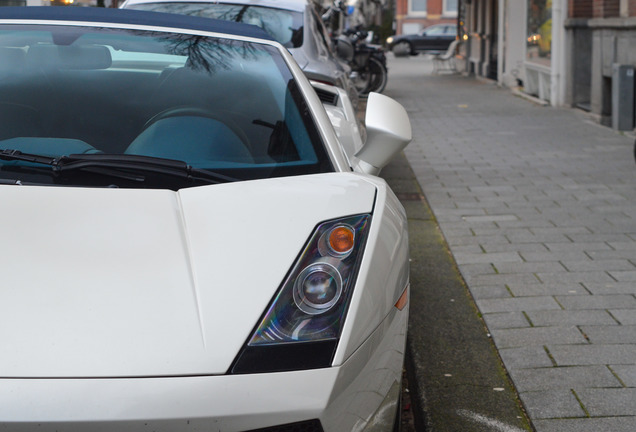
(374, 78)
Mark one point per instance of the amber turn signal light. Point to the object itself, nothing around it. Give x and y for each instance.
(403, 300)
(341, 239)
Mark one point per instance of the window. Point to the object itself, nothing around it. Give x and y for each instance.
(417, 7)
(451, 30)
(219, 104)
(539, 37)
(450, 8)
(437, 30)
(283, 25)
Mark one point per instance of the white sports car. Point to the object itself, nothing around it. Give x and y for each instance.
(186, 244)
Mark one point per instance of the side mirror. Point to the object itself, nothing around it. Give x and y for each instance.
(388, 133)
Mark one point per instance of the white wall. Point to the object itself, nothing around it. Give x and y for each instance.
(515, 42)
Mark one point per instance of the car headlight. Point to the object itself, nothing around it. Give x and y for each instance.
(389, 40)
(301, 327)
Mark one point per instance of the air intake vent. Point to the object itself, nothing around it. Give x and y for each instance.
(327, 97)
(306, 426)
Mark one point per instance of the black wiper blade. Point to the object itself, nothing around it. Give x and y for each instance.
(102, 163)
(139, 162)
(9, 154)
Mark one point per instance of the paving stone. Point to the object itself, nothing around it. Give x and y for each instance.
(606, 238)
(626, 373)
(487, 231)
(471, 270)
(555, 256)
(509, 247)
(571, 318)
(582, 277)
(611, 424)
(473, 240)
(605, 265)
(507, 279)
(608, 401)
(611, 288)
(624, 316)
(493, 189)
(507, 338)
(490, 292)
(623, 276)
(491, 218)
(475, 258)
(552, 404)
(593, 354)
(623, 245)
(537, 267)
(622, 301)
(468, 250)
(567, 230)
(517, 304)
(538, 238)
(506, 320)
(526, 357)
(526, 223)
(558, 378)
(610, 334)
(579, 246)
(451, 226)
(457, 233)
(547, 289)
(611, 254)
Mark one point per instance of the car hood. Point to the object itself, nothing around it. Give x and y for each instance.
(120, 283)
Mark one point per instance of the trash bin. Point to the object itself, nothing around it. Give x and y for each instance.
(622, 97)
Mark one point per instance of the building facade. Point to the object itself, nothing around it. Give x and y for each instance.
(411, 16)
(576, 53)
(601, 39)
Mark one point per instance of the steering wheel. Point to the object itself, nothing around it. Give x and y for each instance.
(190, 111)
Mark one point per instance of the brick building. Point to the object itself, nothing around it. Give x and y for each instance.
(411, 16)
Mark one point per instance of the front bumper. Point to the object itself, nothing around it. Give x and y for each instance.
(349, 397)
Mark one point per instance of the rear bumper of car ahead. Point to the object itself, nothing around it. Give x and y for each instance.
(360, 394)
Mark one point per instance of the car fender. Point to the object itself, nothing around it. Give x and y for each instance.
(384, 271)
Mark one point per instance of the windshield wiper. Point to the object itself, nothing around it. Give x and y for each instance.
(113, 164)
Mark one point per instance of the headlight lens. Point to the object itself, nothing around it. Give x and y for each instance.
(308, 312)
(389, 40)
(317, 288)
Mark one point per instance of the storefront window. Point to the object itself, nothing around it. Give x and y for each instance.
(539, 45)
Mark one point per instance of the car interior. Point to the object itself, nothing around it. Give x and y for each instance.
(58, 99)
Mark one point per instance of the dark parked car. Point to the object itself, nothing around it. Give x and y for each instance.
(432, 39)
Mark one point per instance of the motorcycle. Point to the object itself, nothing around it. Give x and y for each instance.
(367, 61)
(369, 72)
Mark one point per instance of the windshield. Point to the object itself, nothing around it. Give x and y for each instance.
(284, 26)
(216, 104)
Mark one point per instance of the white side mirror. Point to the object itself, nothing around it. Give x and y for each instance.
(388, 133)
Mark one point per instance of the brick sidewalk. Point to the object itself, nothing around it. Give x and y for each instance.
(538, 206)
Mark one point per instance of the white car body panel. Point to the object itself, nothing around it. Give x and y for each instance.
(343, 119)
(380, 281)
(134, 303)
(343, 398)
(171, 271)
